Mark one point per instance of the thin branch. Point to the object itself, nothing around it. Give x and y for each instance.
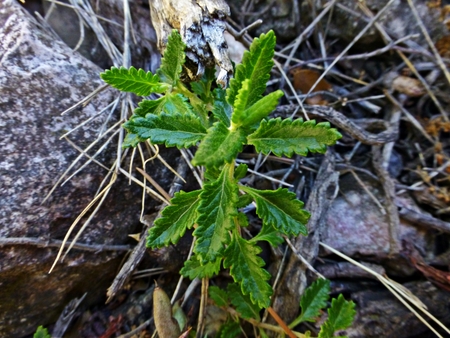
(54, 243)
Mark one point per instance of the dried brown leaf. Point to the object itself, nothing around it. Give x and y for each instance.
(408, 85)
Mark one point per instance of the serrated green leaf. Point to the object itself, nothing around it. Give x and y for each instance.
(170, 104)
(244, 200)
(240, 104)
(313, 300)
(242, 219)
(245, 265)
(150, 107)
(240, 171)
(212, 173)
(41, 332)
(242, 302)
(286, 137)
(173, 130)
(194, 269)
(134, 81)
(219, 145)
(340, 316)
(175, 219)
(269, 234)
(261, 109)
(230, 329)
(203, 87)
(216, 211)
(173, 60)
(219, 296)
(222, 109)
(177, 104)
(131, 140)
(256, 66)
(281, 209)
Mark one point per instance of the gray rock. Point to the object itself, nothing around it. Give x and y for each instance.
(39, 78)
(356, 227)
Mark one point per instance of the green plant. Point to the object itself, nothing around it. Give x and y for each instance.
(41, 332)
(315, 298)
(221, 122)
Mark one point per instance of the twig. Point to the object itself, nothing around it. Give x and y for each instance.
(424, 220)
(389, 201)
(305, 32)
(137, 330)
(256, 323)
(53, 243)
(439, 60)
(281, 322)
(382, 31)
(410, 117)
(350, 45)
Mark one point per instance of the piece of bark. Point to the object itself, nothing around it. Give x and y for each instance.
(201, 25)
(293, 281)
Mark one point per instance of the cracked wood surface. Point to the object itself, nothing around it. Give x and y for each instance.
(201, 24)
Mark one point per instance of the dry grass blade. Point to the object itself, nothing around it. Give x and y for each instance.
(398, 292)
(350, 45)
(291, 87)
(72, 227)
(155, 184)
(303, 260)
(91, 158)
(78, 158)
(270, 178)
(410, 117)
(149, 190)
(112, 105)
(408, 63)
(439, 60)
(307, 30)
(84, 102)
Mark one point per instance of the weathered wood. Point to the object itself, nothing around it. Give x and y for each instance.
(201, 25)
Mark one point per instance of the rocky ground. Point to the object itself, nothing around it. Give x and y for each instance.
(376, 70)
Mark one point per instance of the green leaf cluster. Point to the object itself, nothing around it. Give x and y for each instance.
(220, 122)
(314, 300)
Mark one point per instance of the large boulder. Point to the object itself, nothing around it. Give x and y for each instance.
(40, 77)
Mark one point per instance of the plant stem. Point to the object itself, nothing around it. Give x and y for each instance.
(266, 326)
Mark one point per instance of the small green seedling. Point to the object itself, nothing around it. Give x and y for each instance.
(220, 123)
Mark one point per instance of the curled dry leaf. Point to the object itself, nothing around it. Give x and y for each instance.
(166, 326)
(304, 80)
(408, 85)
